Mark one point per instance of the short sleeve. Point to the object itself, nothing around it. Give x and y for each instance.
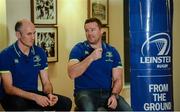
(5, 62)
(76, 53)
(44, 63)
(117, 59)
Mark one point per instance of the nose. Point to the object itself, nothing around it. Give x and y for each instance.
(89, 32)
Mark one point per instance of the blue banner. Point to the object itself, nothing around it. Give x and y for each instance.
(151, 54)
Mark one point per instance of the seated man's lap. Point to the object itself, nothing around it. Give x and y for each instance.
(84, 100)
(123, 105)
(88, 100)
(10, 102)
(64, 103)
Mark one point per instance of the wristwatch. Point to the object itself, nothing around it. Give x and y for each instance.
(116, 95)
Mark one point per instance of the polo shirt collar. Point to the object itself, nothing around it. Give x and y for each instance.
(86, 43)
(19, 52)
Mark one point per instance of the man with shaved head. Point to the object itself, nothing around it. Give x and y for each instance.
(20, 65)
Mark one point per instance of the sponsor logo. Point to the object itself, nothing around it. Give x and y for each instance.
(37, 59)
(160, 43)
(155, 50)
(109, 56)
(16, 61)
(86, 52)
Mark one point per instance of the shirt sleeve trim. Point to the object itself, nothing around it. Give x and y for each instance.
(119, 67)
(5, 72)
(45, 68)
(74, 60)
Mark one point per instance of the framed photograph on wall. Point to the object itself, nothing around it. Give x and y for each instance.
(44, 12)
(105, 36)
(46, 37)
(99, 9)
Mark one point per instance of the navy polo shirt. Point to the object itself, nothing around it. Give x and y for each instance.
(99, 74)
(24, 69)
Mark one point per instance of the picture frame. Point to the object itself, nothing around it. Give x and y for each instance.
(99, 9)
(105, 36)
(44, 12)
(47, 38)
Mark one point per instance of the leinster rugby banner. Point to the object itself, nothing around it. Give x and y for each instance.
(151, 54)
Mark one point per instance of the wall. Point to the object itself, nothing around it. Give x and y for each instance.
(3, 28)
(16, 9)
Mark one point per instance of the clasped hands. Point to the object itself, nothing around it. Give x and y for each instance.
(48, 100)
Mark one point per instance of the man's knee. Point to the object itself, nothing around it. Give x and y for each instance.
(85, 103)
(68, 103)
(10, 105)
(64, 103)
(123, 105)
(85, 107)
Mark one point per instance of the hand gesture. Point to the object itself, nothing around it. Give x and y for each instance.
(42, 100)
(96, 54)
(53, 99)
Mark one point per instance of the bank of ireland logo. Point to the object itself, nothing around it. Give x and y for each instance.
(158, 44)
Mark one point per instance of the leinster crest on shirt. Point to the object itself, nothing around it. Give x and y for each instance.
(109, 56)
(37, 60)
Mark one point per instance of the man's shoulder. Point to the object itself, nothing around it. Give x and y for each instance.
(38, 48)
(108, 46)
(39, 51)
(7, 54)
(7, 50)
(80, 44)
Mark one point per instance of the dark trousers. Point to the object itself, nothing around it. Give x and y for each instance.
(93, 100)
(16, 103)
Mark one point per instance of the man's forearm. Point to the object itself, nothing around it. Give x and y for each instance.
(117, 86)
(21, 93)
(48, 89)
(79, 68)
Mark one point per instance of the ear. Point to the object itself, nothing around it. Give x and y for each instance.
(18, 34)
(102, 31)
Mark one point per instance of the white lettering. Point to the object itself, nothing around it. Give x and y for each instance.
(162, 66)
(158, 88)
(157, 106)
(161, 59)
(159, 96)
